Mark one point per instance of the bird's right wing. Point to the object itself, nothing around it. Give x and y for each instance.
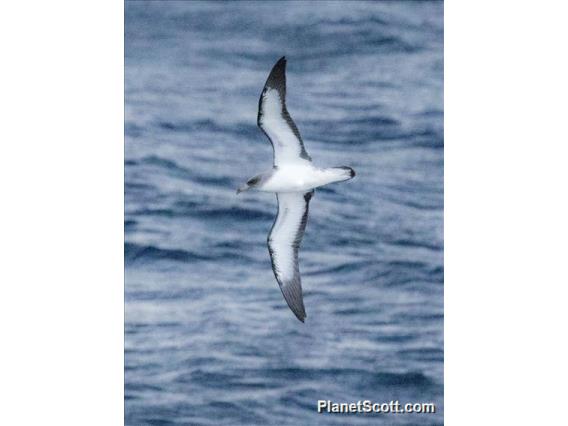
(275, 121)
(283, 244)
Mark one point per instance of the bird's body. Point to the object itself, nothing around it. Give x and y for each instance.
(301, 177)
(293, 179)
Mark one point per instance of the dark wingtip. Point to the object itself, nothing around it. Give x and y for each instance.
(277, 77)
(280, 65)
(352, 172)
(300, 315)
(298, 309)
(292, 292)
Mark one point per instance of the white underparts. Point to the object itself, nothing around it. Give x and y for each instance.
(303, 176)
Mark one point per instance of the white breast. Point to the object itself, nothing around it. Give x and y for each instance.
(292, 178)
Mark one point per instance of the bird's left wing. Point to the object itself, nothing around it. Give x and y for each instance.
(275, 121)
(283, 244)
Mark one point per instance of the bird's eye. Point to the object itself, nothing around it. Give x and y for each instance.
(253, 181)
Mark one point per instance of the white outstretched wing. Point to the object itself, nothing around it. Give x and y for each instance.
(275, 121)
(283, 244)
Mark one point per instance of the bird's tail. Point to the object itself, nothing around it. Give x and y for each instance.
(343, 173)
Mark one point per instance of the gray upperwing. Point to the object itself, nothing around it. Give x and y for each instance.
(283, 244)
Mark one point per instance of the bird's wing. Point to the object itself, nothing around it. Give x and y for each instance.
(275, 121)
(283, 244)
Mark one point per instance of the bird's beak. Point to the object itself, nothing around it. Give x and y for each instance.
(242, 189)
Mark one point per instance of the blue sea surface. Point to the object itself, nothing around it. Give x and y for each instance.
(209, 339)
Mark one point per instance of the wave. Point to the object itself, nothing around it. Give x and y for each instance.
(175, 170)
(275, 378)
(402, 242)
(209, 126)
(363, 376)
(370, 130)
(137, 253)
(374, 20)
(228, 214)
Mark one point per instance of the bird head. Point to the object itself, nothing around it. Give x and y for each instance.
(251, 183)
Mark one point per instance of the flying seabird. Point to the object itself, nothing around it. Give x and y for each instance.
(293, 178)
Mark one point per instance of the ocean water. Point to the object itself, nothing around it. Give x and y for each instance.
(209, 339)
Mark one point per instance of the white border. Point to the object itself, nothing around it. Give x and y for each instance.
(61, 174)
(506, 212)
